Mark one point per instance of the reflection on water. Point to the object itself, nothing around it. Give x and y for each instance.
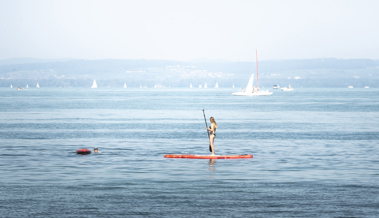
(212, 168)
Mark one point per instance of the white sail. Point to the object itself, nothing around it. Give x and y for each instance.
(125, 85)
(94, 85)
(37, 85)
(11, 86)
(27, 86)
(249, 87)
(233, 86)
(200, 86)
(216, 86)
(205, 85)
(191, 85)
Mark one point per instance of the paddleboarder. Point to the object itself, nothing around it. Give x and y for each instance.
(212, 133)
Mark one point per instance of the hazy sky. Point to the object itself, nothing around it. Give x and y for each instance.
(185, 30)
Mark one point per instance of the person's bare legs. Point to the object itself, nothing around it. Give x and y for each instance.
(211, 139)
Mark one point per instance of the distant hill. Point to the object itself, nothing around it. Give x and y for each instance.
(114, 73)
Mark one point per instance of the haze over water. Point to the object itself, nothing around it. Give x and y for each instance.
(315, 153)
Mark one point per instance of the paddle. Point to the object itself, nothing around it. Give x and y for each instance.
(210, 148)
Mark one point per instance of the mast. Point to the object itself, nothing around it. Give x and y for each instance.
(256, 61)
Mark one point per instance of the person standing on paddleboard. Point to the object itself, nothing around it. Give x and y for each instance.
(212, 133)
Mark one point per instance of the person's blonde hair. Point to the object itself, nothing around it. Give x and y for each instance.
(214, 122)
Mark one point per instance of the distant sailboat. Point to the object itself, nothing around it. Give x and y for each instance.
(191, 85)
(289, 88)
(37, 85)
(94, 85)
(250, 90)
(125, 85)
(200, 86)
(233, 86)
(205, 85)
(216, 86)
(27, 86)
(11, 86)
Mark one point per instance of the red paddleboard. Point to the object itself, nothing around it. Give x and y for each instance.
(194, 156)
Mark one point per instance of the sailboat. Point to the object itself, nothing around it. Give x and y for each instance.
(94, 85)
(250, 90)
(200, 86)
(37, 85)
(216, 86)
(287, 89)
(233, 86)
(191, 85)
(27, 86)
(11, 86)
(125, 85)
(205, 86)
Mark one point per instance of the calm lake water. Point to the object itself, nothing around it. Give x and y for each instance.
(315, 153)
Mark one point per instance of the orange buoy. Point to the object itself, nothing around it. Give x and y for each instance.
(83, 151)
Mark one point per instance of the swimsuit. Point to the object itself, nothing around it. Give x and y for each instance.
(213, 133)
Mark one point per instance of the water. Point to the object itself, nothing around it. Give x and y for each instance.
(315, 153)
